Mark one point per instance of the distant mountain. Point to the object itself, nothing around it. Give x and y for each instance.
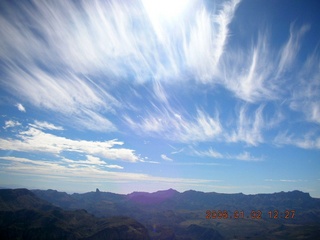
(25, 216)
(106, 203)
(152, 198)
(170, 214)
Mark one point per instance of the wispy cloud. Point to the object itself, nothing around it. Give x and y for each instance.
(166, 158)
(176, 150)
(285, 180)
(91, 160)
(207, 41)
(51, 58)
(306, 97)
(63, 92)
(248, 73)
(76, 58)
(200, 164)
(257, 73)
(291, 48)
(309, 140)
(45, 125)
(20, 107)
(88, 171)
(168, 124)
(248, 128)
(149, 161)
(211, 153)
(246, 156)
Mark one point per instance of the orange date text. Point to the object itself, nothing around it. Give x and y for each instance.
(253, 214)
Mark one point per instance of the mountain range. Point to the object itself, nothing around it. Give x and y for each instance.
(25, 216)
(166, 214)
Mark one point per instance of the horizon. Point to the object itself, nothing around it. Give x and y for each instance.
(161, 190)
(216, 96)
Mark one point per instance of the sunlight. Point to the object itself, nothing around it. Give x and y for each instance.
(164, 10)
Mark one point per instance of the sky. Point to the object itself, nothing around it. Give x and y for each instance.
(214, 96)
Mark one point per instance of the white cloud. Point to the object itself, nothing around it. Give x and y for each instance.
(176, 150)
(166, 158)
(207, 40)
(203, 127)
(20, 107)
(200, 164)
(306, 97)
(54, 165)
(291, 48)
(246, 156)
(45, 125)
(249, 73)
(78, 57)
(90, 161)
(63, 92)
(211, 153)
(257, 73)
(72, 41)
(285, 180)
(248, 128)
(148, 161)
(36, 140)
(11, 124)
(87, 173)
(309, 141)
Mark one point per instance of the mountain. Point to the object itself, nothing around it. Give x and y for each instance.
(152, 198)
(25, 216)
(108, 204)
(170, 214)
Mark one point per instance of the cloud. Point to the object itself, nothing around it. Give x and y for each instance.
(200, 164)
(246, 156)
(248, 128)
(257, 73)
(63, 92)
(148, 161)
(54, 166)
(248, 73)
(164, 123)
(164, 157)
(309, 141)
(20, 107)
(53, 59)
(285, 180)
(108, 63)
(45, 125)
(91, 160)
(165, 117)
(86, 173)
(11, 124)
(305, 97)
(176, 150)
(211, 153)
(207, 41)
(291, 48)
(36, 140)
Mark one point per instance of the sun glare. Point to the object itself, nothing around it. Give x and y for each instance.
(164, 10)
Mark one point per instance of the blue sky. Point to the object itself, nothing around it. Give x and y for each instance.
(216, 96)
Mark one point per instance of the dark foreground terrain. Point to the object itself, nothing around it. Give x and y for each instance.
(169, 214)
(24, 216)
